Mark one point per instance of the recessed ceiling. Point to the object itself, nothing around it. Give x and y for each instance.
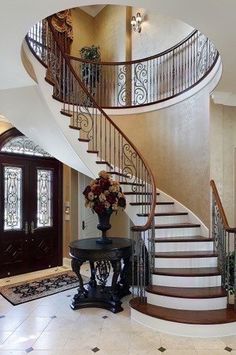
(92, 10)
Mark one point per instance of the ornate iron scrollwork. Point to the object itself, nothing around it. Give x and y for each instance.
(140, 82)
(103, 268)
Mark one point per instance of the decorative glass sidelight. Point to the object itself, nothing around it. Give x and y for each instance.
(44, 198)
(12, 198)
(24, 145)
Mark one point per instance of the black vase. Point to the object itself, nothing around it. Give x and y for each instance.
(104, 225)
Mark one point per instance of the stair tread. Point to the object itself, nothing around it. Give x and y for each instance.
(148, 203)
(186, 254)
(164, 214)
(93, 151)
(103, 162)
(188, 292)
(119, 174)
(185, 239)
(84, 140)
(185, 272)
(139, 193)
(131, 183)
(218, 316)
(177, 225)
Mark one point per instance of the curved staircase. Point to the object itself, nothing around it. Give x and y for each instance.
(178, 286)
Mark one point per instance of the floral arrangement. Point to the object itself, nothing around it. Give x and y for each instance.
(104, 195)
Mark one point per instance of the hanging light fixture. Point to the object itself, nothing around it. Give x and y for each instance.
(136, 22)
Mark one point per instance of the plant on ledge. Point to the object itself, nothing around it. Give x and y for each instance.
(104, 196)
(91, 72)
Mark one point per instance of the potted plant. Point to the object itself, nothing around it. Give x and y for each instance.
(90, 71)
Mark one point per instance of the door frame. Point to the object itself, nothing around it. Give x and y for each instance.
(12, 133)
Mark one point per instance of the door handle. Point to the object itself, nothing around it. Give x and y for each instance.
(26, 229)
(83, 225)
(32, 227)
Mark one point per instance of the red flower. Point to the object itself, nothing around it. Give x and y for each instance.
(105, 184)
(97, 190)
(86, 191)
(99, 208)
(111, 198)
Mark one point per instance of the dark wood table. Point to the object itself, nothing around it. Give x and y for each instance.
(102, 259)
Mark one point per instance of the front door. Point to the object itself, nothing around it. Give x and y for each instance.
(30, 214)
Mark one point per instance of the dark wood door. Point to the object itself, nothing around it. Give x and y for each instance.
(30, 214)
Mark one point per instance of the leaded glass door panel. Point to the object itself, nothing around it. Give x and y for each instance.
(30, 214)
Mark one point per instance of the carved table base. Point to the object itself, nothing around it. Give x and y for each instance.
(101, 258)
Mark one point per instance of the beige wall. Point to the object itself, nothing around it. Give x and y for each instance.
(4, 126)
(223, 156)
(175, 142)
(107, 30)
(110, 32)
(158, 33)
(70, 195)
(83, 29)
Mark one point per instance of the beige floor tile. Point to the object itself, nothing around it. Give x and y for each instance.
(208, 344)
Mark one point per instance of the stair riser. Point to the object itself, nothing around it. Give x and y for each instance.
(183, 246)
(177, 232)
(171, 219)
(185, 281)
(185, 262)
(183, 329)
(187, 303)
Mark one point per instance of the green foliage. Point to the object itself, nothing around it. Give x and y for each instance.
(91, 72)
(92, 53)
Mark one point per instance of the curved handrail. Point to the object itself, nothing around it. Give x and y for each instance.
(152, 79)
(221, 208)
(137, 60)
(78, 102)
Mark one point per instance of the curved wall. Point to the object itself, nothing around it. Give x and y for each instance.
(158, 33)
(175, 143)
(111, 28)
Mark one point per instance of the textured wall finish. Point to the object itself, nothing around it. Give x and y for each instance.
(106, 30)
(175, 142)
(223, 162)
(4, 126)
(158, 33)
(110, 32)
(83, 29)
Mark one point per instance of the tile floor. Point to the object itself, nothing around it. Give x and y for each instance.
(48, 326)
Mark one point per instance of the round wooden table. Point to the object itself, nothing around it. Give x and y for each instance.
(102, 259)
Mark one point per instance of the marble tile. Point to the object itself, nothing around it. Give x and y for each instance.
(212, 352)
(175, 342)
(210, 344)
(51, 327)
(4, 336)
(51, 340)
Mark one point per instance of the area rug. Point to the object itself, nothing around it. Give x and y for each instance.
(41, 287)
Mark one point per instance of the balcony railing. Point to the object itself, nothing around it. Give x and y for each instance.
(149, 80)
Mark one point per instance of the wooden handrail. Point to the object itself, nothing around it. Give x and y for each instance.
(95, 104)
(153, 79)
(137, 60)
(221, 208)
(149, 80)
